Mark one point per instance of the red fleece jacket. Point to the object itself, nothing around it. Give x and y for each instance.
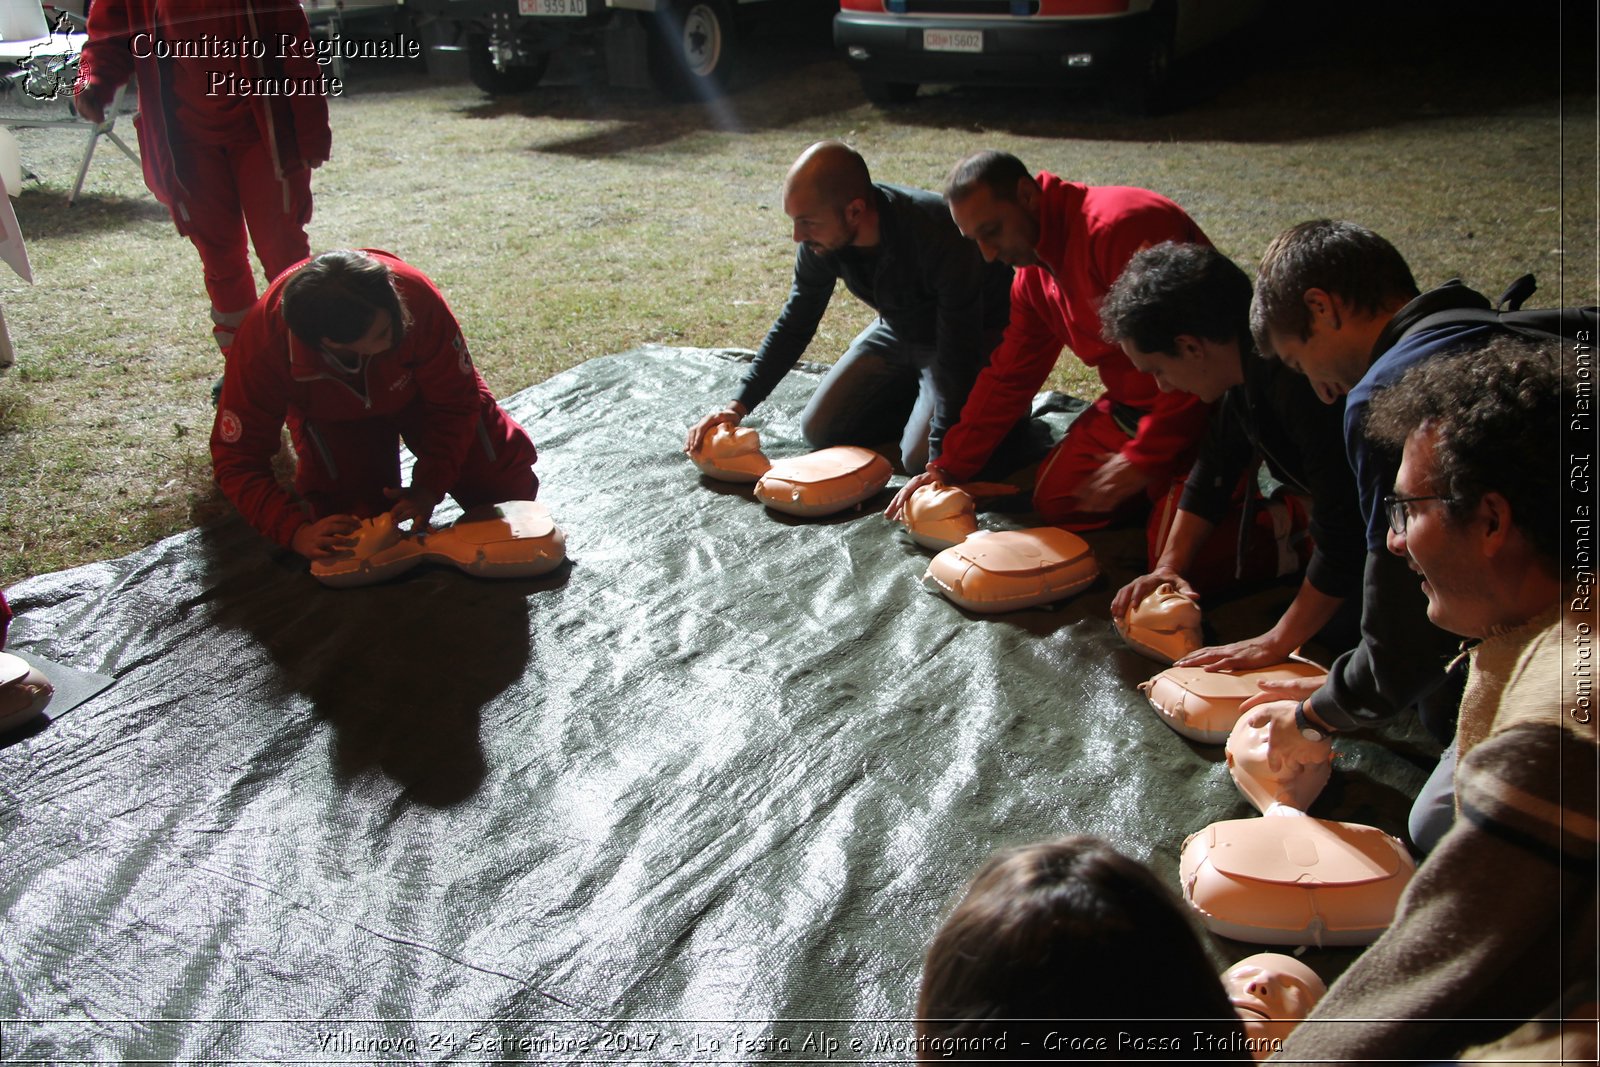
(1087, 234)
(272, 377)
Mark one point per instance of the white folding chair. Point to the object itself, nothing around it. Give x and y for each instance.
(44, 66)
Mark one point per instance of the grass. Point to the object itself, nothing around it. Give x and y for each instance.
(578, 220)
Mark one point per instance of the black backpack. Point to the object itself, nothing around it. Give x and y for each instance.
(1569, 324)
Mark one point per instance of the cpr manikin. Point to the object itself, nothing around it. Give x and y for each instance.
(24, 691)
(516, 539)
(1271, 773)
(1008, 570)
(1165, 625)
(731, 454)
(1272, 993)
(1285, 878)
(824, 482)
(1203, 705)
(938, 516)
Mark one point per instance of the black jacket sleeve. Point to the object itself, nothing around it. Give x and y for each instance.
(786, 341)
(1402, 656)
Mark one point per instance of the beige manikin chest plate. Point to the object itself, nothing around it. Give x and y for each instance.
(1012, 569)
(1294, 880)
(823, 482)
(1203, 705)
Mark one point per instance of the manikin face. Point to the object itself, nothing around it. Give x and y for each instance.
(940, 502)
(1007, 230)
(821, 227)
(1439, 548)
(1271, 767)
(1202, 368)
(1166, 610)
(1272, 986)
(379, 338)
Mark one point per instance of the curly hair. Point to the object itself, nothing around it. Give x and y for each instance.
(1340, 258)
(1494, 413)
(1171, 289)
(1063, 929)
(336, 295)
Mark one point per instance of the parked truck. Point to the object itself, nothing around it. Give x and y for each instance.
(684, 48)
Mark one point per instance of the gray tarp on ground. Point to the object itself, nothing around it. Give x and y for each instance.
(727, 768)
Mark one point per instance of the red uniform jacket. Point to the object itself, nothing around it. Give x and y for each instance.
(123, 37)
(273, 378)
(1087, 234)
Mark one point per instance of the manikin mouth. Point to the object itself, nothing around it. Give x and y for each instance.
(1252, 1006)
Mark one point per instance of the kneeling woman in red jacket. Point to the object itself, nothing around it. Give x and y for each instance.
(357, 351)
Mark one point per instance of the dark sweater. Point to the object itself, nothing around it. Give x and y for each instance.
(924, 279)
(1276, 415)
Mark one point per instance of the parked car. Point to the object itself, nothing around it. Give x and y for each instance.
(685, 47)
(1127, 45)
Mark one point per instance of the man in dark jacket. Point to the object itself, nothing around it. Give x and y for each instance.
(1333, 301)
(940, 308)
(1181, 314)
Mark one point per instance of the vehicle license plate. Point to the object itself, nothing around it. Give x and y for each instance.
(952, 40)
(568, 8)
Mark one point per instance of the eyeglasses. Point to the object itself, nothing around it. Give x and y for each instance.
(1395, 508)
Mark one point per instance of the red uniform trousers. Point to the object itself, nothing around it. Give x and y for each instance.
(1092, 437)
(345, 465)
(232, 187)
(1276, 545)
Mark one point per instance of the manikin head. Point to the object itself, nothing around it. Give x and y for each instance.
(345, 305)
(731, 453)
(1324, 292)
(829, 197)
(994, 201)
(1273, 770)
(1477, 500)
(1181, 314)
(1165, 624)
(1064, 929)
(939, 516)
(1271, 992)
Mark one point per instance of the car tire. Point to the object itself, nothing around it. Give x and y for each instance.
(889, 94)
(497, 80)
(1147, 88)
(691, 48)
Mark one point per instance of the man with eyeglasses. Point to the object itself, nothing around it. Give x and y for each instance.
(355, 351)
(1497, 925)
(1334, 302)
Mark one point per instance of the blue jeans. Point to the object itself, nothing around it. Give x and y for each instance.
(881, 390)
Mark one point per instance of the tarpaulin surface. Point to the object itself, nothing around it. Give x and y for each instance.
(701, 794)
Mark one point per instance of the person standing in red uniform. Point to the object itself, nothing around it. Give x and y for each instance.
(1068, 243)
(355, 351)
(222, 161)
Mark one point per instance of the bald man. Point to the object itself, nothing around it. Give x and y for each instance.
(940, 310)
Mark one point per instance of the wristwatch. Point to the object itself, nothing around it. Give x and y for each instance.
(1307, 729)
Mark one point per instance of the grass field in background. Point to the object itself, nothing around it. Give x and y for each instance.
(577, 221)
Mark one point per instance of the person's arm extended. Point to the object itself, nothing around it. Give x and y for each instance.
(1309, 612)
(1401, 658)
(106, 62)
(791, 333)
(1189, 531)
(1004, 390)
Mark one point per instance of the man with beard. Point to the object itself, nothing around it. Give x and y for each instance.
(1068, 242)
(940, 310)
